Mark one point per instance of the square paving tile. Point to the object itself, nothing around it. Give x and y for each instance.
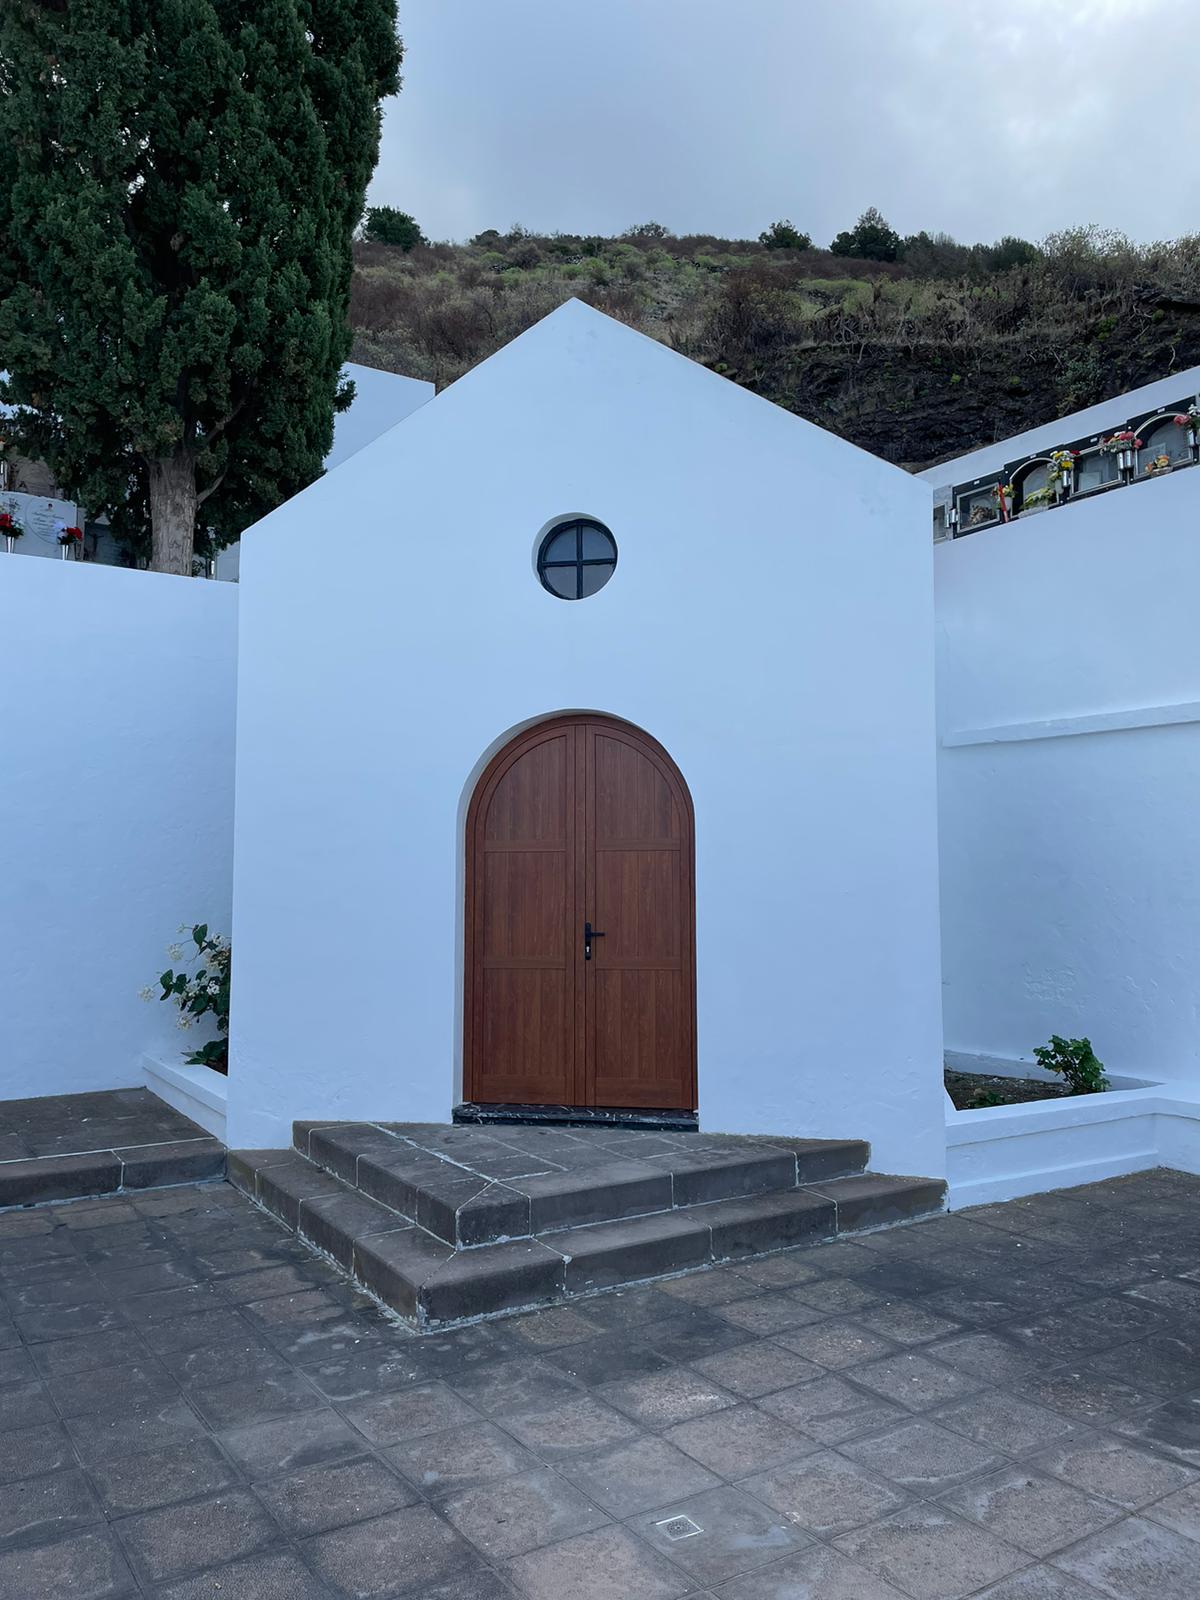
(734, 1533)
(509, 1516)
(1180, 1511)
(637, 1476)
(1173, 1428)
(921, 1457)
(34, 1510)
(832, 1410)
(609, 1564)
(758, 1368)
(285, 1444)
(741, 1440)
(835, 1344)
(815, 1574)
(1134, 1560)
(663, 1398)
(85, 1566)
(277, 1576)
(155, 1478)
(330, 1496)
(825, 1494)
(199, 1533)
(389, 1418)
(458, 1458)
(1118, 1470)
(930, 1554)
(905, 1323)
(997, 1418)
(1029, 1510)
(912, 1380)
(570, 1428)
(406, 1552)
(1037, 1583)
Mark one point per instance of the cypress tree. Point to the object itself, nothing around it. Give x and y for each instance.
(180, 181)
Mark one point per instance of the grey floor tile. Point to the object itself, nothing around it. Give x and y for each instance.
(551, 1329)
(278, 1576)
(143, 1482)
(62, 1356)
(998, 1419)
(837, 1343)
(609, 1564)
(752, 1370)
(765, 1314)
(141, 1428)
(175, 1540)
(254, 1399)
(1036, 1513)
(663, 1398)
(637, 1476)
(832, 1410)
(458, 1458)
(284, 1444)
(24, 1405)
(912, 1380)
(85, 1566)
(608, 1358)
(1037, 1583)
(509, 1516)
(718, 1534)
(406, 1552)
(1116, 1469)
(825, 1494)
(905, 1323)
(316, 1499)
(407, 1413)
(740, 1440)
(1134, 1560)
(515, 1385)
(1086, 1395)
(28, 1451)
(1173, 1428)
(931, 1554)
(571, 1428)
(921, 1457)
(37, 1510)
(1179, 1511)
(814, 1574)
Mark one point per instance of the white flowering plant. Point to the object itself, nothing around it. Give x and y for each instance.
(200, 988)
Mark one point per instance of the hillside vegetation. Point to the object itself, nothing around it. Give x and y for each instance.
(917, 359)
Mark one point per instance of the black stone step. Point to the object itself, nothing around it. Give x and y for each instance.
(101, 1172)
(434, 1282)
(474, 1186)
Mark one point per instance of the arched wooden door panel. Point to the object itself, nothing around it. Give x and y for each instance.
(580, 822)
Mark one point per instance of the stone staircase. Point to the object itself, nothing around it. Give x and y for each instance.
(447, 1223)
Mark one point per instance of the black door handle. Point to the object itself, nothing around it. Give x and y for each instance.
(589, 933)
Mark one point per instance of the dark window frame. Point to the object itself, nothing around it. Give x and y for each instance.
(579, 563)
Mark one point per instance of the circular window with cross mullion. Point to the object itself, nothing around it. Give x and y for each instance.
(576, 558)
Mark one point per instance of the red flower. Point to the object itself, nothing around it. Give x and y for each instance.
(6, 521)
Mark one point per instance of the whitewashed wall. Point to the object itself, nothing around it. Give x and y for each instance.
(770, 621)
(1069, 710)
(117, 699)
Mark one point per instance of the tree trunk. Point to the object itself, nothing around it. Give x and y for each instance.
(172, 513)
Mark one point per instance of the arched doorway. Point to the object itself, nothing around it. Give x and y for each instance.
(580, 923)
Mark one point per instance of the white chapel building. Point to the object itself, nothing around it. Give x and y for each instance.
(603, 776)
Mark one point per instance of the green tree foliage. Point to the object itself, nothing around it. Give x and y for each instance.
(870, 239)
(783, 235)
(648, 231)
(1010, 252)
(180, 181)
(386, 225)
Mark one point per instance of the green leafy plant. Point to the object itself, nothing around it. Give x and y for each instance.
(1075, 1062)
(201, 991)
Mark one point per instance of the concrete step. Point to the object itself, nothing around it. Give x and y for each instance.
(473, 1185)
(433, 1282)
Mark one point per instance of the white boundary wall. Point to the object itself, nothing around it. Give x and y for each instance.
(117, 704)
(1069, 778)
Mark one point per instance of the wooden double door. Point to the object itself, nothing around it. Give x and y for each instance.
(580, 923)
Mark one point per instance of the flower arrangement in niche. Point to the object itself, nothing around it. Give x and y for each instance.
(10, 528)
(1062, 468)
(70, 536)
(1189, 419)
(1036, 498)
(201, 991)
(1118, 442)
(1159, 463)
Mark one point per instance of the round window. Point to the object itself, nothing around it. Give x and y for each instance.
(576, 558)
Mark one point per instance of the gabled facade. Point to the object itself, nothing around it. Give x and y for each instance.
(603, 774)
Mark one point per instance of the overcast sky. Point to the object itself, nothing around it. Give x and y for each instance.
(977, 117)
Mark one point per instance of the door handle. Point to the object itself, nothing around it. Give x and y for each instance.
(589, 933)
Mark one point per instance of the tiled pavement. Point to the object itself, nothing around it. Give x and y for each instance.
(1000, 1403)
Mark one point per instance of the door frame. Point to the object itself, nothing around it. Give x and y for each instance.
(509, 750)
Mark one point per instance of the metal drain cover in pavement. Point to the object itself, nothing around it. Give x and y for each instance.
(680, 1528)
